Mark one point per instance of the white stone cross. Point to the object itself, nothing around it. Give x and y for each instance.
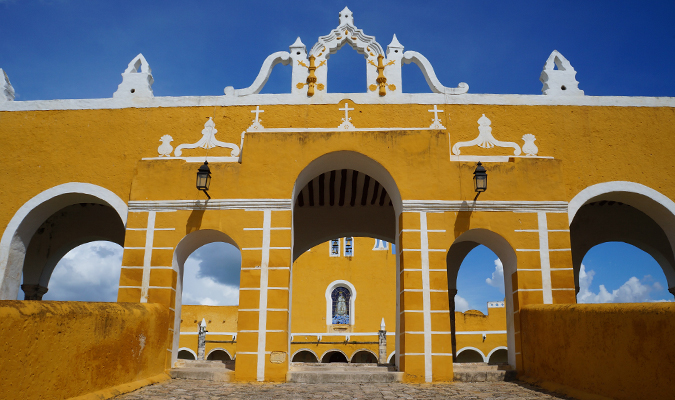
(346, 110)
(435, 111)
(257, 112)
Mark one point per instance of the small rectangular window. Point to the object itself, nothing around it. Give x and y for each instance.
(349, 247)
(335, 248)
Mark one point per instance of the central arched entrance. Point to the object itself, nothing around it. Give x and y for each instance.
(349, 199)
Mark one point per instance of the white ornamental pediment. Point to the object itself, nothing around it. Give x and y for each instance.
(486, 140)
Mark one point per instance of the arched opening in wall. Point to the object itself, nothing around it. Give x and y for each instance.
(334, 356)
(469, 356)
(622, 234)
(347, 71)
(617, 272)
(219, 355)
(480, 264)
(211, 275)
(345, 208)
(89, 272)
(305, 356)
(498, 356)
(48, 227)
(364, 357)
(186, 355)
(208, 266)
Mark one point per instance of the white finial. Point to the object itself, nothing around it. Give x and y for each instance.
(560, 81)
(203, 323)
(382, 327)
(346, 17)
(6, 89)
(395, 43)
(297, 44)
(136, 80)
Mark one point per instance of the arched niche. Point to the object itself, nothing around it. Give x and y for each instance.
(623, 212)
(185, 247)
(466, 242)
(49, 225)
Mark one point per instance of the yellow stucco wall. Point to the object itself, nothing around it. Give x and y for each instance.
(621, 351)
(219, 320)
(476, 321)
(373, 275)
(590, 144)
(57, 350)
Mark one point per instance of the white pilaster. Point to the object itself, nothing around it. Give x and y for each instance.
(262, 313)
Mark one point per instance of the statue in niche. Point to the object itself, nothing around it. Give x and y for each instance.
(340, 298)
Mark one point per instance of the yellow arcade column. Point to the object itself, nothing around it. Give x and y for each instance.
(262, 337)
(425, 339)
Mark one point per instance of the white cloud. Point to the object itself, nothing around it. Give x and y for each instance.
(90, 272)
(205, 290)
(461, 304)
(633, 291)
(497, 279)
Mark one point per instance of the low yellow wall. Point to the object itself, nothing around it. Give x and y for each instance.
(58, 350)
(621, 351)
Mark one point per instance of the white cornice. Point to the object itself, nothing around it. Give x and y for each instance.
(502, 206)
(334, 98)
(408, 205)
(215, 204)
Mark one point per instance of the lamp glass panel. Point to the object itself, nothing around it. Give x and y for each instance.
(480, 183)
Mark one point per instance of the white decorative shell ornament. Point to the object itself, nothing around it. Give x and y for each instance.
(165, 148)
(529, 148)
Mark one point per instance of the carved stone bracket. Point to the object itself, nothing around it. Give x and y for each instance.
(485, 139)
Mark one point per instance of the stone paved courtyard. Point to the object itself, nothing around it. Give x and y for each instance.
(178, 389)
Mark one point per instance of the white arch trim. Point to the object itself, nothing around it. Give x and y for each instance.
(393, 353)
(329, 301)
(187, 245)
(599, 189)
(318, 360)
(333, 351)
(9, 290)
(188, 350)
(493, 350)
(353, 160)
(360, 350)
(474, 349)
(220, 349)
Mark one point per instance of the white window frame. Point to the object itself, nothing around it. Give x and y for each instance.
(344, 250)
(330, 247)
(383, 245)
(329, 301)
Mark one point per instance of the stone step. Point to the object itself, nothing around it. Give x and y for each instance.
(482, 372)
(344, 376)
(481, 367)
(341, 367)
(205, 374)
(203, 364)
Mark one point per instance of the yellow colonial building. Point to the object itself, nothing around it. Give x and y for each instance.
(290, 172)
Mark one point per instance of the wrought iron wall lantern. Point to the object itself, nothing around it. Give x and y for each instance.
(204, 178)
(480, 178)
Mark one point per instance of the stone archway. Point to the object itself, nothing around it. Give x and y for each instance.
(623, 212)
(503, 249)
(49, 225)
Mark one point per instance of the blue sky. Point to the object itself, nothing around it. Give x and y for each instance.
(63, 49)
(54, 49)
